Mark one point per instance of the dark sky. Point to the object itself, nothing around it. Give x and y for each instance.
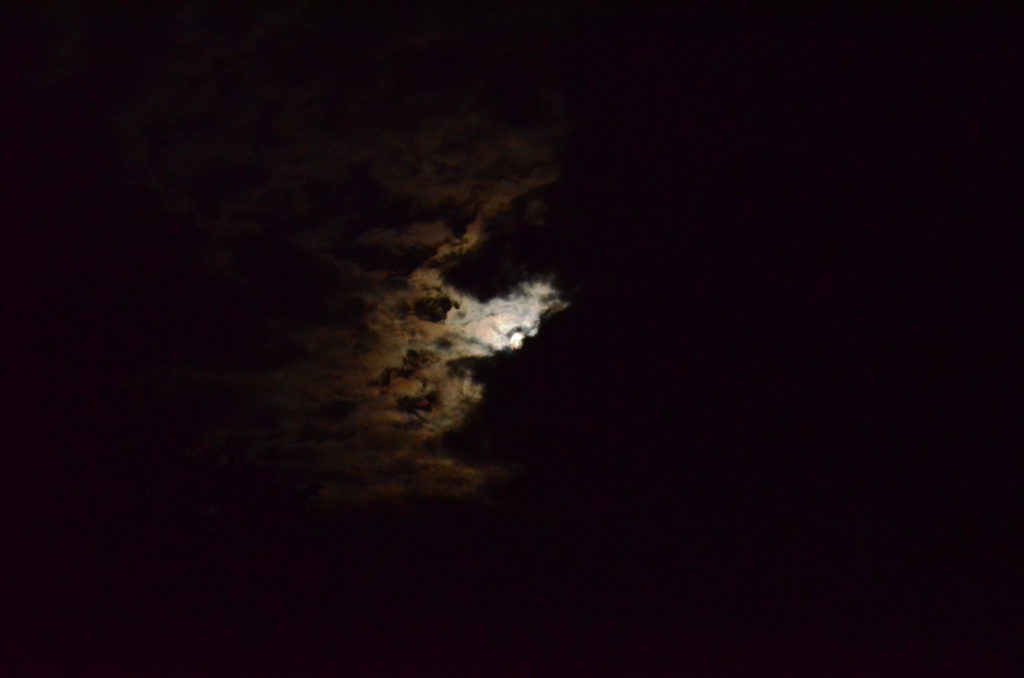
(774, 433)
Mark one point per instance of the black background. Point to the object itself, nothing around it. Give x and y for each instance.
(773, 435)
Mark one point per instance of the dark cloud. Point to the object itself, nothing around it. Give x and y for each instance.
(334, 187)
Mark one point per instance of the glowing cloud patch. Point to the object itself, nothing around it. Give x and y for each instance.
(503, 323)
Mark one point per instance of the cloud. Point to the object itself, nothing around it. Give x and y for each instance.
(503, 323)
(382, 192)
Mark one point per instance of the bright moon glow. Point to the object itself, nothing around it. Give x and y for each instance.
(504, 322)
(417, 386)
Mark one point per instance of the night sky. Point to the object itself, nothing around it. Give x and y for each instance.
(514, 341)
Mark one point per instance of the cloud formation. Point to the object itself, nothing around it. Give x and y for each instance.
(382, 189)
